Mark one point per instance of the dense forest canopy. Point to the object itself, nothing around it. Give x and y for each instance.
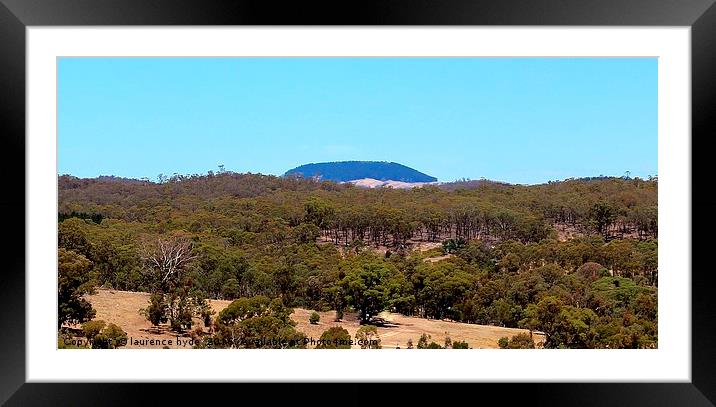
(342, 171)
(576, 259)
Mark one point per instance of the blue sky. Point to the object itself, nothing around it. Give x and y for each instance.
(521, 120)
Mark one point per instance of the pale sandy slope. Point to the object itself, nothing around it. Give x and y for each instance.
(374, 183)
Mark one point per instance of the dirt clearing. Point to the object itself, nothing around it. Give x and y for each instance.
(122, 308)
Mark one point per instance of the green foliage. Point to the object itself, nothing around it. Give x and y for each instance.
(314, 318)
(503, 342)
(156, 312)
(256, 322)
(423, 341)
(564, 325)
(592, 271)
(74, 281)
(72, 236)
(366, 290)
(448, 342)
(460, 345)
(602, 215)
(453, 245)
(115, 336)
(66, 341)
(253, 307)
(367, 337)
(104, 336)
(94, 217)
(519, 341)
(115, 333)
(335, 337)
(91, 329)
(306, 233)
(617, 291)
(250, 235)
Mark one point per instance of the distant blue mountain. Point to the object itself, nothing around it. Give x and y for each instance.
(342, 171)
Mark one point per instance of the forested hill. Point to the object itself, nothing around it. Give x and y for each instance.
(343, 171)
(610, 206)
(576, 259)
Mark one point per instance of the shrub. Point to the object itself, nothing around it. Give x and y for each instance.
(453, 245)
(423, 341)
(91, 329)
(335, 338)
(460, 345)
(101, 341)
(314, 318)
(66, 341)
(116, 336)
(367, 337)
(519, 341)
(104, 337)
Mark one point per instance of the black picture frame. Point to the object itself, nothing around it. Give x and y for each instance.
(16, 15)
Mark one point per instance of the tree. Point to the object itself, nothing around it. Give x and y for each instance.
(156, 312)
(256, 235)
(602, 215)
(618, 292)
(574, 328)
(165, 259)
(423, 341)
(453, 245)
(592, 271)
(74, 281)
(519, 341)
(205, 311)
(106, 261)
(90, 329)
(306, 233)
(165, 262)
(181, 307)
(115, 335)
(368, 338)
(314, 318)
(335, 337)
(409, 345)
(365, 290)
(544, 316)
(103, 336)
(256, 322)
(448, 342)
(565, 326)
(71, 235)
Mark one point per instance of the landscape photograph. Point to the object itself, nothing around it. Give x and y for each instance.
(357, 203)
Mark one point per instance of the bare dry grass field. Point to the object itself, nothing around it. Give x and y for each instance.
(122, 308)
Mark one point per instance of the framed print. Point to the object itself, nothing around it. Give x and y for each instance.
(471, 192)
